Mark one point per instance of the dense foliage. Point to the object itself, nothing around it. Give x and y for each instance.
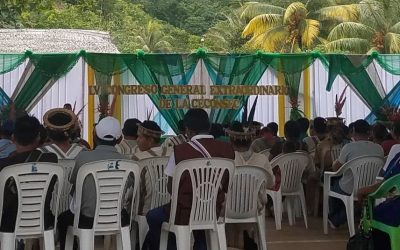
(354, 26)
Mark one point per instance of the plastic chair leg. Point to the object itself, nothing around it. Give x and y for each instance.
(394, 241)
(289, 206)
(304, 208)
(164, 239)
(86, 239)
(349, 204)
(143, 229)
(124, 239)
(262, 232)
(182, 238)
(134, 236)
(7, 241)
(212, 239)
(48, 237)
(277, 203)
(222, 236)
(325, 212)
(107, 242)
(69, 241)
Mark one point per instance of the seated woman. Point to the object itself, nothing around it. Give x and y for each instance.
(241, 139)
(388, 211)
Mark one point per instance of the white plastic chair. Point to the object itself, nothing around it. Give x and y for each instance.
(365, 169)
(68, 166)
(334, 152)
(158, 188)
(206, 176)
(291, 166)
(243, 198)
(110, 178)
(266, 152)
(32, 181)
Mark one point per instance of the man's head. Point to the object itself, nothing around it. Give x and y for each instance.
(26, 132)
(292, 131)
(68, 106)
(196, 122)
(149, 135)
(130, 130)
(181, 127)
(303, 124)
(59, 124)
(273, 126)
(108, 131)
(379, 133)
(240, 139)
(7, 130)
(266, 133)
(217, 130)
(319, 126)
(361, 130)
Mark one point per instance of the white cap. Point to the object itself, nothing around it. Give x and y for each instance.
(108, 129)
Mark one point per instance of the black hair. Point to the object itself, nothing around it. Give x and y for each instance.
(361, 127)
(67, 105)
(58, 136)
(131, 127)
(319, 125)
(303, 124)
(396, 128)
(217, 130)
(27, 129)
(99, 141)
(379, 132)
(152, 126)
(197, 121)
(238, 127)
(274, 128)
(181, 126)
(292, 130)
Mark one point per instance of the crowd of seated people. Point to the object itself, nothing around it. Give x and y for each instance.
(25, 140)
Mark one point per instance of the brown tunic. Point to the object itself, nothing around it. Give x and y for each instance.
(185, 152)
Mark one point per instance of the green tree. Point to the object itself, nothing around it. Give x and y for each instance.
(372, 31)
(152, 39)
(290, 29)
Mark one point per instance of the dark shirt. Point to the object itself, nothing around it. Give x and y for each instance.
(10, 207)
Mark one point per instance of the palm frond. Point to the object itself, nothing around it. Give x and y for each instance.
(252, 9)
(295, 10)
(392, 43)
(262, 23)
(349, 30)
(272, 40)
(372, 13)
(395, 28)
(340, 13)
(310, 32)
(349, 45)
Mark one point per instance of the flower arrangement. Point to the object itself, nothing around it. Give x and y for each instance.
(388, 114)
(339, 103)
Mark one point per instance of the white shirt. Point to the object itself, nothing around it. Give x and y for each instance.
(170, 169)
(393, 152)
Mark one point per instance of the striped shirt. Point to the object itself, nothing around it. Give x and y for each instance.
(72, 152)
(127, 147)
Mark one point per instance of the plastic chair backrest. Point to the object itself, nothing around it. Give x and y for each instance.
(110, 177)
(206, 177)
(242, 200)
(365, 169)
(266, 152)
(155, 167)
(32, 181)
(335, 152)
(292, 166)
(68, 165)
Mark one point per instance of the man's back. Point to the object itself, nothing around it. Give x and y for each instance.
(185, 152)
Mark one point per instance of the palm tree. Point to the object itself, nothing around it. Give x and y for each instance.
(152, 39)
(296, 28)
(371, 32)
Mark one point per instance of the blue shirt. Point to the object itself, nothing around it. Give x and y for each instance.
(6, 148)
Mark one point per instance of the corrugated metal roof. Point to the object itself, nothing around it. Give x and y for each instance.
(55, 40)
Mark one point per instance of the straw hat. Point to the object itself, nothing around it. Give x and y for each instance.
(59, 119)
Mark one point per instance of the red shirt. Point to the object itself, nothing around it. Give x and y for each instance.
(387, 145)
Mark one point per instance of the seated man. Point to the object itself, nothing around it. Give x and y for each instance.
(107, 134)
(128, 145)
(59, 124)
(6, 144)
(148, 142)
(388, 211)
(178, 139)
(26, 138)
(197, 127)
(361, 146)
(317, 132)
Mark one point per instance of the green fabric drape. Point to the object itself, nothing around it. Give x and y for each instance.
(169, 69)
(9, 62)
(390, 63)
(47, 67)
(354, 69)
(292, 66)
(233, 70)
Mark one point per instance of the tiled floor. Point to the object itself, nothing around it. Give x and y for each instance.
(297, 237)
